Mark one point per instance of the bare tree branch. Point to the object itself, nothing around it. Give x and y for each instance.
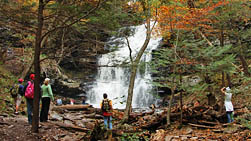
(70, 18)
(205, 38)
(130, 50)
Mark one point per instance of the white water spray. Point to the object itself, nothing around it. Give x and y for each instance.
(115, 80)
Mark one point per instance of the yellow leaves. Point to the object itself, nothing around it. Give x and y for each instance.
(84, 20)
(27, 2)
(51, 2)
(167, 35)
(30, 3)
(136, 6)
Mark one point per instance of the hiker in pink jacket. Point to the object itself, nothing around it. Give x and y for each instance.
(29, 94)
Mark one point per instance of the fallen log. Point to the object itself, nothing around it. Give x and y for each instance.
(188, 116)
(72, 107)
(117, 132)
(208, 122)
(87, 112)
(154, 124)
(117, 114)
(4, 115)
(203, 126)
(212, 112)
(218, 130)
(241, 111)
(4, 123)
(71, 127)
(158, 120)
(142, 114)
(94, 116)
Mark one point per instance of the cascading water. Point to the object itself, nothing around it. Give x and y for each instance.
(114, 79)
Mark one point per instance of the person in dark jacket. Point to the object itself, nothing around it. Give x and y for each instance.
(20, 94)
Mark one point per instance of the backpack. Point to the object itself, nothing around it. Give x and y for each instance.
(14, 90)
(106, 107)
(29, 92)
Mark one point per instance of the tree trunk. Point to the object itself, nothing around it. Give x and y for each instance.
(223, 80)
(181, 103)
(168, 122)
(181, 109)
(35, 117)
(222, 37)
(229, 80)
(134, 71)
(244, 65)
(223, 84)
(221, 96)
(223, 74)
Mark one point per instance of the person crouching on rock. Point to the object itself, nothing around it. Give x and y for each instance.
(47, 96)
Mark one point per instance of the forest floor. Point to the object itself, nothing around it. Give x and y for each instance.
(16, 128)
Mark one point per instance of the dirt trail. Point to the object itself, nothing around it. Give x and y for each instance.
(17, 129)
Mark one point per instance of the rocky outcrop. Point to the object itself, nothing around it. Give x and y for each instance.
(62, 84)
(65, 86)
(11, 51)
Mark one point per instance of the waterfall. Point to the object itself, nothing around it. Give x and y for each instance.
(113, 79)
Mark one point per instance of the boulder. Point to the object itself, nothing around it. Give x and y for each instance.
(67, 87)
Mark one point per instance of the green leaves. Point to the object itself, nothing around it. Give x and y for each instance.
(193, 57)
(155, 3)
(245, 120)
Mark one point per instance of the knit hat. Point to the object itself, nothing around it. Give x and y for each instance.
(47, 79)
(20, 80)
(32, 76)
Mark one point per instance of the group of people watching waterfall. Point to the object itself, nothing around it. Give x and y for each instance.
(46, 96)
(19, 90)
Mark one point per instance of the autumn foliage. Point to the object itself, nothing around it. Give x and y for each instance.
(187, 15)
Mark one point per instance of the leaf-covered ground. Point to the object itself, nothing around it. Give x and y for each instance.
(16, 128)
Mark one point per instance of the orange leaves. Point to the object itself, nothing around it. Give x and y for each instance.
(187, 14)
(185, 61)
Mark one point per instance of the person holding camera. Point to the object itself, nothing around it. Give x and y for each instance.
(228, 104)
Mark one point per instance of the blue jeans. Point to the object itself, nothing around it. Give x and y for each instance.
(29, 109)
(230, 117)
(108, 120)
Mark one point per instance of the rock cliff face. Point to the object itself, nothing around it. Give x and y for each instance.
(15, 56)
(67, 87)
(10, 51)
